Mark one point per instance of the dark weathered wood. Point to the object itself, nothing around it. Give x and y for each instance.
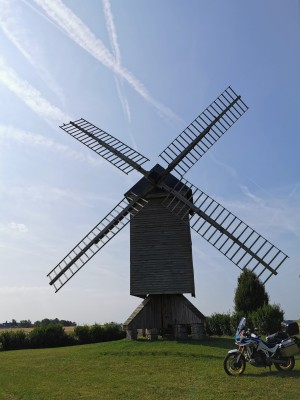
(197, 331)
(163, 312)
(161, 259)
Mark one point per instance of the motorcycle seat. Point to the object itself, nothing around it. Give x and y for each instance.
(270, 345)
(276, 337)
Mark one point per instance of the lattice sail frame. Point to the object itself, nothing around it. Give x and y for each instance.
(111, 149)
(97, 238)
(227, 233)
(203, 132)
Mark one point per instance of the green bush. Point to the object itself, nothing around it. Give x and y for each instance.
(14, 340)
(267, 319)
(114, 331)
(219, 324)
(52, 335)
(82, 334)
(98, 333)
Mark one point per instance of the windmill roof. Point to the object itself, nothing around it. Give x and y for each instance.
(155, 173)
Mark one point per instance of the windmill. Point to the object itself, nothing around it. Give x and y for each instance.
(162, 207)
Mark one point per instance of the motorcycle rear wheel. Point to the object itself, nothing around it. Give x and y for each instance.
(286, 366)
(233, 366)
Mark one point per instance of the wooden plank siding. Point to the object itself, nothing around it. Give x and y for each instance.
(164, 311)
(161, 259)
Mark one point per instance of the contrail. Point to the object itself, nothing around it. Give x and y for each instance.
(112, 33)
(12, 28)
(111, 30)
(81, 34)
(43, 15)
(31, 96)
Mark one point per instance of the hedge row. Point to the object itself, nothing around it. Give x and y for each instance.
(54, 335)
(266, 320)
(98, 333)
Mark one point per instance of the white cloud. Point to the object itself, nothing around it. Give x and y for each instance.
(81, 34)
(11, 24)
(9, 133)
(14, 226)
(31, 96)
(51, 194)
(245, 190)
(45, 194)
(18, 227)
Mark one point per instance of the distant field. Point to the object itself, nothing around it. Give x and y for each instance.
(139, 370)
(68, 329)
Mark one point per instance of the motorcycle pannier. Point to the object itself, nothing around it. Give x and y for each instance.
(289, 348)
(290, 327)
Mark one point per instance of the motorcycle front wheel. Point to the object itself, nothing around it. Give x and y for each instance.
(288, 365)
(234, 364)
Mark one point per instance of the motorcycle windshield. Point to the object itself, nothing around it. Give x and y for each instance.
(241, 326)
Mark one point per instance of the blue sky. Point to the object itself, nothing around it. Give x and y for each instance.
(141, 71)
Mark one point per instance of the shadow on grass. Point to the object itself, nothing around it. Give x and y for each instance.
(161, 354)
(150, 349)
(210, 341)
(273, 374)
(219, 342)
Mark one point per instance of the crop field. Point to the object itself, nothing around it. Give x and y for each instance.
(68, 329)
(138, 370)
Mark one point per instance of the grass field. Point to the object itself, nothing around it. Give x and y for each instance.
(138, 370)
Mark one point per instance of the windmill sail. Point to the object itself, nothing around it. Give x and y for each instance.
(101, 234)
(107, 146)
(231, 236)
(203, 132)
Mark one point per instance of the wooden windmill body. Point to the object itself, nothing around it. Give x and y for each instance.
(161, 264)
(161, 260)
(162, 208)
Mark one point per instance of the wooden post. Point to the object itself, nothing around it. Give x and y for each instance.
(197, 331)
(180, 332)
(152, 334)
(131, 334)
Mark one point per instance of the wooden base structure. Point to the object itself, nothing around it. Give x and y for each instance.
(170, 315)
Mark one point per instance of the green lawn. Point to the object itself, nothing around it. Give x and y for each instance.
(139, 370)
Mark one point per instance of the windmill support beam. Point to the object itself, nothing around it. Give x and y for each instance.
(164, 313)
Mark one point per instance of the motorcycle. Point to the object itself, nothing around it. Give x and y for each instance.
(252, 349)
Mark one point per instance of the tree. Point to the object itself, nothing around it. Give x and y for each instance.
(25, 323)
(250, 293)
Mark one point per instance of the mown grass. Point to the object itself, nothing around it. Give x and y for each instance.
(138, 370)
